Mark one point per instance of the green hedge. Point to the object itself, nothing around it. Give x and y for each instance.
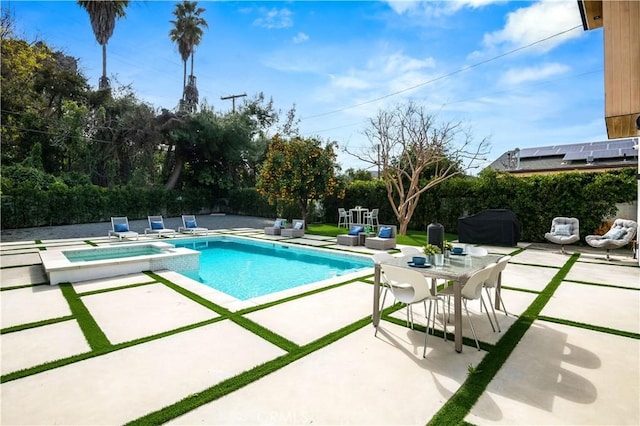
(536, 200)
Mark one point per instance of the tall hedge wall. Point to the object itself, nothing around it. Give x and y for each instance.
(536, 200)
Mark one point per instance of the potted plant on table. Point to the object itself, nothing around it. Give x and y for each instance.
(430, 250)
(448, 246)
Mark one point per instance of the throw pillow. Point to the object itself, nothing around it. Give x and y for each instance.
(191, 224)
(385, 232)
(156, 225)
(277, 224)
(355, 230)
(614, 234)
(563, 230)
(298, 225)
(121, 227)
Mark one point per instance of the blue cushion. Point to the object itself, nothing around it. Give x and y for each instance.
(298, 225)
(156, 225)
(120, 227)
(563, 230)
(277, 224)
(191, 224)
(355, 230)
(385, 232)
(614, 234)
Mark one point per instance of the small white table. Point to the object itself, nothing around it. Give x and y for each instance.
(358, 212)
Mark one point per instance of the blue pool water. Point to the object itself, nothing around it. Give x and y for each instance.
(246, 269)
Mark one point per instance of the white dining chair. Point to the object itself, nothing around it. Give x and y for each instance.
(410, 287)
(344, 218)
(492, 282)
(371, 219)
(472, 290)
(477, 251)
(379, 259)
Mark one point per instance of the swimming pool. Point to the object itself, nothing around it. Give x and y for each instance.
(247, 269)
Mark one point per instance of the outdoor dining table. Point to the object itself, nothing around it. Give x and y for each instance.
(358, 213)
(457, 269)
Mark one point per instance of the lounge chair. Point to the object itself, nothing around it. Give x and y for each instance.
(353, 237)
(190, 226)
(564, 230)
(620, 234)
(156, 227)
(120, 228)
(275, 229)
(385, 240)
(296, 231)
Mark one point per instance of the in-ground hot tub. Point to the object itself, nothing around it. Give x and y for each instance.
(81, 264)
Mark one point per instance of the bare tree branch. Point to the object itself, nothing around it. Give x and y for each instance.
(415, 153)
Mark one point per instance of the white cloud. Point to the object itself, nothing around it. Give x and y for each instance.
(349, 82)
(538, 21)
(300, 38)
(430, 9)
(517, 76)
(274, 18)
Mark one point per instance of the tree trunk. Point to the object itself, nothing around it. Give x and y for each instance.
(184, 77)
(192, 53)
(175, 174)
(104, 61)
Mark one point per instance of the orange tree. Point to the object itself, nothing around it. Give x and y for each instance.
(298, 171)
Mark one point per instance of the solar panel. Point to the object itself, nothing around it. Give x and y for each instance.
(543, 152)
(572, 156)
(573, 148)
(606, 153)
(627, 143)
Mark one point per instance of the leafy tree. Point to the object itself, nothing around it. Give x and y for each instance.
(187, 33)
(103, 15)
(205, 149)
(298, 171)
(359, 174)
(415, 153)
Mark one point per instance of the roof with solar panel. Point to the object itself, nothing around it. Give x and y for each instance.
(610, 154)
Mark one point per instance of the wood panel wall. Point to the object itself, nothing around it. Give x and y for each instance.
(622, 67)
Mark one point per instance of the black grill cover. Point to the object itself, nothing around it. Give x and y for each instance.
(498, 227)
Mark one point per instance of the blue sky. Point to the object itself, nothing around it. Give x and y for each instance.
(341, 62)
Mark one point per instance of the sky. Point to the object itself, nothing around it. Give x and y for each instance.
(519, 73)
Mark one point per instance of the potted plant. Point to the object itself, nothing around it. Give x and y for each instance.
(430, 250)
(448, 246)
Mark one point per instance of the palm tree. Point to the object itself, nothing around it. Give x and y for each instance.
(103, 14)
(187, 33)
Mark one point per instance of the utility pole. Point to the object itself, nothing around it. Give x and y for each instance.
(233, 99)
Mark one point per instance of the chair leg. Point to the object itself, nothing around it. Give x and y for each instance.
(492, 310)
(486, 309)
(470, 323)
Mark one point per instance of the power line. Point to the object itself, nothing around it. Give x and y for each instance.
(468, 67)
(540, 83)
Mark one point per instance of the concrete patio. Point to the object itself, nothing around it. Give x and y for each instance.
(314, 358)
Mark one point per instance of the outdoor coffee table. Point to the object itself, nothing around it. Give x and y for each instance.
(458, 270)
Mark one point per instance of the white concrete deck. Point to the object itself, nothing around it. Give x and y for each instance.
(557, 374)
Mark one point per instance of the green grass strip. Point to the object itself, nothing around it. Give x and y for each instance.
(591, 327)
(621, 287)
(35, 324)
(15, 287)
(243, 379)
(86, 355)
(91, 243)
(255, 328)
(95, 337)
(110, 289)
(460, 404)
